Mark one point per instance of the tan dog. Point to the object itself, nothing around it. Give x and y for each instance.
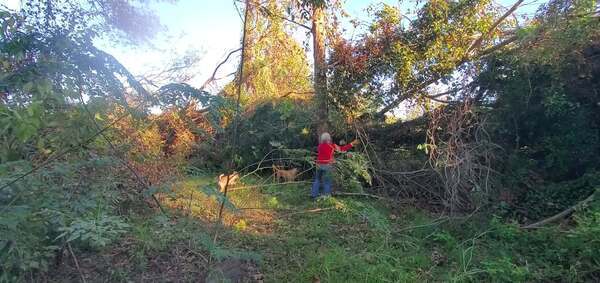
(222, 180)
(286, 175)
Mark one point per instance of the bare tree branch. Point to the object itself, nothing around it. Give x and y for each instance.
(448, 91)
(562, 214)
(169, 74)
(496, 47)
(295, 92)
(477, 43)
(212, 77)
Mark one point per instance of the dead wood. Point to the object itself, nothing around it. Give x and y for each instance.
(562, 214)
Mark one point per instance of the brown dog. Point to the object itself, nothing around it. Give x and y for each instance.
(286, 175)
(222, 180)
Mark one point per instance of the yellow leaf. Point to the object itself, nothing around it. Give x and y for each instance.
(240, 225)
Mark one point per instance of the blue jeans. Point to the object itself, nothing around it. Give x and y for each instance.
(323, 173)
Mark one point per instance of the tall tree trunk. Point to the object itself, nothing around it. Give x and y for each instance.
(235, 136)
(320, 72)
(250, 37)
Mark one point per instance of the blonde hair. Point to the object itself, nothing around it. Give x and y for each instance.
(325, 137)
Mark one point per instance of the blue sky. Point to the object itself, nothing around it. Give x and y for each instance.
(209, 28)
(212, 28)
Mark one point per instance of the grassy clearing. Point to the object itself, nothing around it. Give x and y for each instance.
(335, 240)
(363, 240)
(294, 239)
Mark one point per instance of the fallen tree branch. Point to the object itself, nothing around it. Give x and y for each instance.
(479, 40)
(493, 49)
(454, 90)
(473, 47)
(562, 214)
(310, 211)
(357, 194)
(269, 185)
(76, 262)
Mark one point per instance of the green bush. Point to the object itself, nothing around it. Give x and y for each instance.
(54, 206)
(543, 103)
(551, 198)
(97, 230)
(271, 126)
(547, 254)
(504, 270)
(352, 172)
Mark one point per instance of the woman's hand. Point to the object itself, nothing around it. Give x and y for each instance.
(355, 142)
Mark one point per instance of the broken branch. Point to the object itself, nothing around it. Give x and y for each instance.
(562, 214)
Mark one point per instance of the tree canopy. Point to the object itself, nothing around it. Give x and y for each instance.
(492, 176)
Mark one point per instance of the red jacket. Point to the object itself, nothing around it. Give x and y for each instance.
(326, 150)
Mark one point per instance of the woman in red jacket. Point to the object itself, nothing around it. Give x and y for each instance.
(325, 162)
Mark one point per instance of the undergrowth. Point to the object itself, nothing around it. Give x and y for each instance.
(294, 239)
(361, 240)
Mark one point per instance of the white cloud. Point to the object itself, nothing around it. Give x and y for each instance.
(11, 4)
